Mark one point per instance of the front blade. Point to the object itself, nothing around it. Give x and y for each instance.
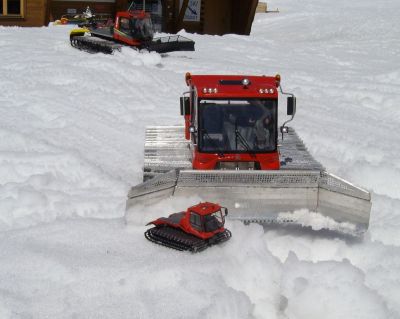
(264, 196)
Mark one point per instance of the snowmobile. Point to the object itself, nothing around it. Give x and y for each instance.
(232, 151)
(197, 228)
(85, 19)
(131, 28)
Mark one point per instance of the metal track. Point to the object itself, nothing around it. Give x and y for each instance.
(94, 44)
(165, 149)
(175, 238)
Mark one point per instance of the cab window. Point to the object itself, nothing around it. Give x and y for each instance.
(124, 23)
(213, 222)
(195, 221)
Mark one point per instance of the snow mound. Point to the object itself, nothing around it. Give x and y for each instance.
(316, 221)
(41, 183)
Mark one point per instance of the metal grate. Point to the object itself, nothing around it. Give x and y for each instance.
(285, 179)
(156, 184)
(333, 183)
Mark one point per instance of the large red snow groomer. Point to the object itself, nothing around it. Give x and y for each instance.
(232, 150)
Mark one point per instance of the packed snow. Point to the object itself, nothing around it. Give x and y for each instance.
(71, 145)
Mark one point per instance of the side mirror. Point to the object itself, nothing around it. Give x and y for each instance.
(185, 105)
(225, 211)
(192, 129)
(291, 105)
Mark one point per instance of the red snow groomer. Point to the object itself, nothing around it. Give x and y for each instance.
(197, 228)
(232, 150)
(130, 28)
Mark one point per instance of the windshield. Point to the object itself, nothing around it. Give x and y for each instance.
(213, 222)
(142, 29)
(237, 125)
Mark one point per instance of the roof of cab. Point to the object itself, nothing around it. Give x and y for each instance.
(234, 86)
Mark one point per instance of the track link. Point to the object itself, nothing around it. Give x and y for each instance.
(177, 239)
(94, 44)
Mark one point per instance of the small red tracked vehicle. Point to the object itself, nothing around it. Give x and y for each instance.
(130, 28)
(197, 228)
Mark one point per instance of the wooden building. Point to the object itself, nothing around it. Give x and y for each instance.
(27, 13)
(200, 16)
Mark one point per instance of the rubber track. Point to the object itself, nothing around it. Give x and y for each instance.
(177, 239)
(94, 45)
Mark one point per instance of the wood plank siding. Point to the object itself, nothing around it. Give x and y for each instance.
(221, 17)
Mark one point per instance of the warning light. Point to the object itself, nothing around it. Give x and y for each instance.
(188, 76)
(277, 80)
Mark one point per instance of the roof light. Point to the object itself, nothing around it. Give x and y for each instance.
(271, 91)
(188, 77)
(246, 82)
(210, 90)
(277, 80)
(261, 91)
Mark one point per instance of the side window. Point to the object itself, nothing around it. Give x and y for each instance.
(124, 23)
(195, 221)
(12, 8)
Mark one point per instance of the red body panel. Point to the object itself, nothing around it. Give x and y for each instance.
(187, 124)
(119, 36)
(201, 82)
(208, 161)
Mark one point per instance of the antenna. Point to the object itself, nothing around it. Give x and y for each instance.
(133, 4)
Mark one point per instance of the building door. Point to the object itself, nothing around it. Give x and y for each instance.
(217, 16)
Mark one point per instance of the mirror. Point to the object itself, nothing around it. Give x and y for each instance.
(291, 105)
(185, 105)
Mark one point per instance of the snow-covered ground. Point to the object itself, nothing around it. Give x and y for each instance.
(71, 144)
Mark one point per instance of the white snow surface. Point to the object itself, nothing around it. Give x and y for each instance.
(71, 144)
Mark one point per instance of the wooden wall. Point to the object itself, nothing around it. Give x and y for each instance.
(243, 13)
(220, 17)
(35, 15)
(262, 7)
(217, 17)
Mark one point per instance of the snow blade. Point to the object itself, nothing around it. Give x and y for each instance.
(263, 196)
(170, 44)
